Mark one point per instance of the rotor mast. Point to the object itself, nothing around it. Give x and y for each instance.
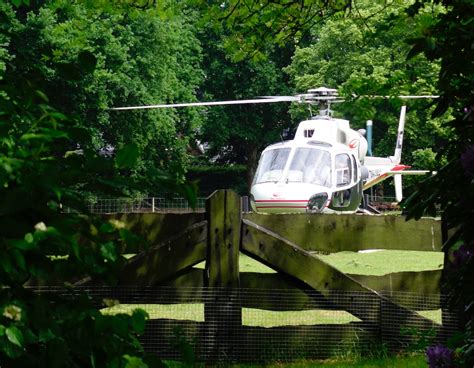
(322, 97)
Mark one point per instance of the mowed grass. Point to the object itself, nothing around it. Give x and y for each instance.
(250, 316)
(408, 361)
(381, 262)
(374, 262)
(415, 361)
(368, 263)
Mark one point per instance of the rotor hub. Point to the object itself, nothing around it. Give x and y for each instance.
(322, 97)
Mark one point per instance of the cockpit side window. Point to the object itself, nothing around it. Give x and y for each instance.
(354, 168)
(271, 165)
(343, 169)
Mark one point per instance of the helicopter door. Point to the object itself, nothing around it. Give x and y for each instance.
(343, 170)
(345, 192)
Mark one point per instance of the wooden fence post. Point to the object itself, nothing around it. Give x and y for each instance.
(222, 309)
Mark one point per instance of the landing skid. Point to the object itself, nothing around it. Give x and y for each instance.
(366, 208)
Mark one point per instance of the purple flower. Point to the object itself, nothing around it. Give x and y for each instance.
(467, 160)
(439, 356)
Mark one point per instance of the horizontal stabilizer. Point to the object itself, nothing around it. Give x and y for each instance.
(409, 172)
(397, 170)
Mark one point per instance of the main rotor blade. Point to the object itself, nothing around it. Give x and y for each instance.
(304, 98)
(420, 96)
(210, 103)
(405, 97)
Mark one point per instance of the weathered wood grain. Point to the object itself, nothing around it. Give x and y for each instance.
(224, 218)
(280, 292)
(223, 312)
(414, 290)
(155, 228)
(162, 261)
(337, 232)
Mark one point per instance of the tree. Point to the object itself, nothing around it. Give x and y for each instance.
(42, 172)
(237, 134)
(144, 56)
(249, 26)
(449, 39)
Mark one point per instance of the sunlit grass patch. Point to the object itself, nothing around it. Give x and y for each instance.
(434, 315)
(384, 261)
(250, 316)
(265, 318)
(191, 312)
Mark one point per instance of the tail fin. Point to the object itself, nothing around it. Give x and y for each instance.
(397, 156)
(401, 126)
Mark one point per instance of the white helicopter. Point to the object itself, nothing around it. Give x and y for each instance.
(325, 168)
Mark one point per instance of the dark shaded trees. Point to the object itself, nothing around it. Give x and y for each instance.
(49, 159)
(450, 39)
(143, 56)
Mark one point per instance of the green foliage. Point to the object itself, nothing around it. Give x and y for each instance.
(50, 57)
(39, 243)
(137, 58)
(249, 26)
(185, 348)
(425, 159)
(211, 178)
(420, 339)
(237, 134)
(449, 38)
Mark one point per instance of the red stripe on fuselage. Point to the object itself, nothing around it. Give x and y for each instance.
(281, 200)
(276, 207)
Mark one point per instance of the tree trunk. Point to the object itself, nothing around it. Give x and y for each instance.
(252, 154)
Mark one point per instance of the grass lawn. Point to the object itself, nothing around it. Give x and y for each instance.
(413, 361)
(395, 362)
(250, 317)
(379, 262)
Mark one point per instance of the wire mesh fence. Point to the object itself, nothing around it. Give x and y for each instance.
(221, 324)
(143, 205)
(181, 205)
(151, 204)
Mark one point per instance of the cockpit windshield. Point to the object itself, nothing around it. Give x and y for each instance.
(272, 163)
(308, 165)
(312, 166)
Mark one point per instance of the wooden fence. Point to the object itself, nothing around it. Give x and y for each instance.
(290, 244)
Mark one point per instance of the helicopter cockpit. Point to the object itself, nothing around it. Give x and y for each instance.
(289, 173)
